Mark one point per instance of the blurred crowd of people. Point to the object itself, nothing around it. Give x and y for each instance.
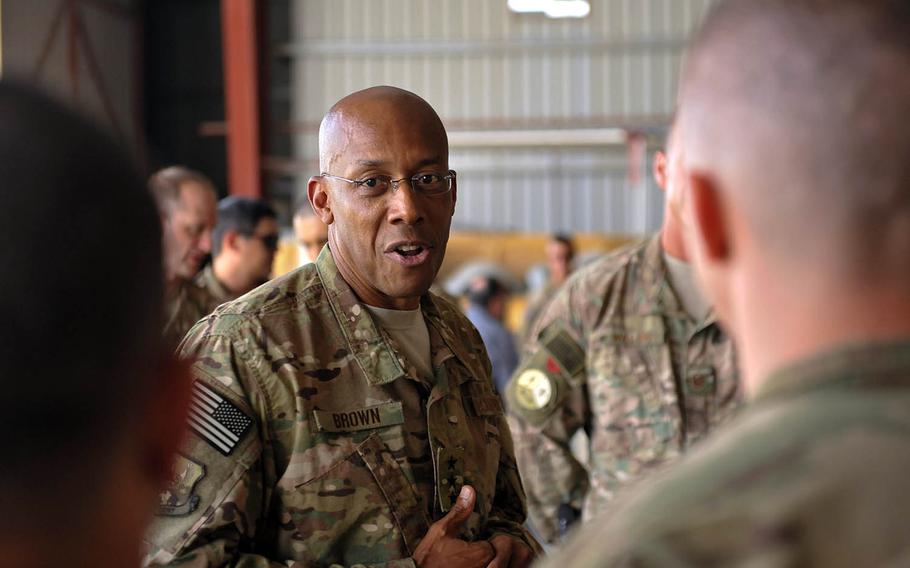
(739, 381)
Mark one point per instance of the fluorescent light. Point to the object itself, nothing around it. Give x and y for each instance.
(567, 9)
(552, 8)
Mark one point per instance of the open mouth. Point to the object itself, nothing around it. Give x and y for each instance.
(409, 254)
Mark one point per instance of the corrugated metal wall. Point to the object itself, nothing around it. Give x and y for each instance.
(485, 68)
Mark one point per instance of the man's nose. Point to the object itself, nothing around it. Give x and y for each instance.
(404, 204)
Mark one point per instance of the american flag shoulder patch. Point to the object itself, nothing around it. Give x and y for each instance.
(217, 420)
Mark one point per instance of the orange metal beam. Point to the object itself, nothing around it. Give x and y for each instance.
(241, 96)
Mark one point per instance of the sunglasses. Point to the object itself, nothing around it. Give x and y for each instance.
(268, 241)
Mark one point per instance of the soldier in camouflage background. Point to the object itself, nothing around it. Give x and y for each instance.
(793, 117)
(328, 428)
(631, 352)
(187, 204)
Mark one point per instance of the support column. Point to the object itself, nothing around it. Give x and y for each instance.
(241, 97)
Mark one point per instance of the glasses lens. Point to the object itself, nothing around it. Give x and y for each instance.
(432, 184)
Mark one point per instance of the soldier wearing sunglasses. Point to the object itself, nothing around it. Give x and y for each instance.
(243, 247)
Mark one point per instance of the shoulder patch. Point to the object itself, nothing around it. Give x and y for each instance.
(178, 499)
(217, 420)
(533, 389)
(564, 349)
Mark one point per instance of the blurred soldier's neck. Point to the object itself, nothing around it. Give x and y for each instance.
(226, 272)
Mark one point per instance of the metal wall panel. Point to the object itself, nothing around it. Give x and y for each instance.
(484, 67)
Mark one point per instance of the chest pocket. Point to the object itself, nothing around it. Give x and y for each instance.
(633, 398)
(345, 498)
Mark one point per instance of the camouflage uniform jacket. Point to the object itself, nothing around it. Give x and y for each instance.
(813, 472)
(337, 454)
(216, 293)
(191, 304)
(615, 354)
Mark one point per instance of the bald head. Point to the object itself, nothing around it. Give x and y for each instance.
(797, 108)
(372, 109)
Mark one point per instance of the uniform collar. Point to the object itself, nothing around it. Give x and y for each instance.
(369, 346)
(214, 286)
(884, 364)
(374, 354)
(656, 285)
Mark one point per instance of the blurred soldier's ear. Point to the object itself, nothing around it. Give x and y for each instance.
(163, 423)
(660, 169)
(319, 199)
(708, 212)
(229, 240)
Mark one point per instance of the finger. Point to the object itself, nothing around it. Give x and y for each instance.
(502, 548)
(460, 511)
(522, 556)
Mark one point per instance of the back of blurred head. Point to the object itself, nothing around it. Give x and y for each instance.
(488, 293)
(793, 117)
(85, 431)
(244, 243)
(187, 204)
(560, 252)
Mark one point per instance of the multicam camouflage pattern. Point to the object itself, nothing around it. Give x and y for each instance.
(194, 301)
(813, 472)
(183, 311)
(353, 456)
(614, 353)
(215, 292)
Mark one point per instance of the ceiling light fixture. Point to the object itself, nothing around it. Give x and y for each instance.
(552, 8)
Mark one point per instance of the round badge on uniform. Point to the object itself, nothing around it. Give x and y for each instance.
(533, 389)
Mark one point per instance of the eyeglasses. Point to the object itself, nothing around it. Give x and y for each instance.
(268, 241)
(431, 184)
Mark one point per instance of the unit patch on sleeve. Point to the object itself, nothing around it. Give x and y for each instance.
(178, 499)
(533, 389)
(216, 420)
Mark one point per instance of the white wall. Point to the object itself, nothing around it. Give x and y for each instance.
(483, 68)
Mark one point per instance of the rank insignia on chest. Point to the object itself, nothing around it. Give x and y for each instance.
(178, 499)
(216, 420)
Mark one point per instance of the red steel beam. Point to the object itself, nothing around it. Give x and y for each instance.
(241, 96)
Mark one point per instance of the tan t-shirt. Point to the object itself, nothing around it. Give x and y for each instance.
(409, 332)
(682, 279)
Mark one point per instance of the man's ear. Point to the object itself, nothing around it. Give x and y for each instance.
(319, 199)
(164, 424)
(454, 194)
(660, 169)
(230, 240)
(709, 215)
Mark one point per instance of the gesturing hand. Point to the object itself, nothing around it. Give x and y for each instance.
(441, 545)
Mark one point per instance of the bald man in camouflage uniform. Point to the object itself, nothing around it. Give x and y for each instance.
(629, 352)
(813, 471)
(317, 440)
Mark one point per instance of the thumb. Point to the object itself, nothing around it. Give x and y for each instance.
(460, 511)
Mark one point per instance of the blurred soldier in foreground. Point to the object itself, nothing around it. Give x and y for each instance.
(487, 300)
(343, 415)
(311, 234)
(630, 351)
(559, 252)
(92, 410)
(797, 208)
(243, 247)
(187, 204)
